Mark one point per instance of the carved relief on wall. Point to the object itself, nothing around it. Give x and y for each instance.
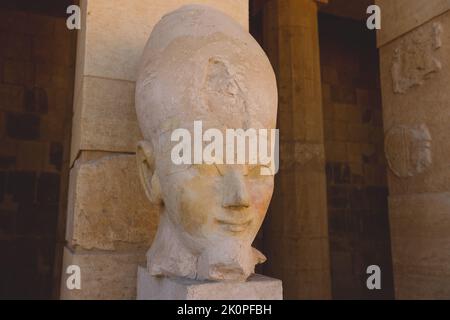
(414, 60)
(408, 150)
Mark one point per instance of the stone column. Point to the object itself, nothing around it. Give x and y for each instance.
(415, 74)
(296, 230)
(109, 222)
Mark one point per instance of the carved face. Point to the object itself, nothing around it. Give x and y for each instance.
(215, 210)
(218, 208)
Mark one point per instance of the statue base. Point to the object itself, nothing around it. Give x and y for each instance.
(257, 287)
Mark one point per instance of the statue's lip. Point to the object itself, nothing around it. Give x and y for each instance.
(234, 223)
(234, 226)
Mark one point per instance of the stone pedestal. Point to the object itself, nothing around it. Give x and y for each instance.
(258, 287)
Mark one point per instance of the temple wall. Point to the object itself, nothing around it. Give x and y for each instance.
(110, 224)
(415, 76)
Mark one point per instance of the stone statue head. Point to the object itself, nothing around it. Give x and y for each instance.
(199, 65)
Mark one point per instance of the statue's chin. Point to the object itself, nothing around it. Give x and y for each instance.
(232, 260)
(229, 260)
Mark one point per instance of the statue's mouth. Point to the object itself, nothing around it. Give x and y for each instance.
(234, 226)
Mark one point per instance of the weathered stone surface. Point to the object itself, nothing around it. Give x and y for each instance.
(107, 63)
(107, 205)
(301, 154)
(104, 120)
(107, 118)
(201, 66)
(427, 105)
(257, 287)
(401, 16)
(104, 276)
(408, 150)
(115, 54)
(414, 59)
(421, 245)
(296, 229)
(419, 203)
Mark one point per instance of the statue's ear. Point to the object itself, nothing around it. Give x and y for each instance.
(146, 168)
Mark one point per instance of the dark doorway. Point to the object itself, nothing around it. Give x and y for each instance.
(37, 63)
(354, 145)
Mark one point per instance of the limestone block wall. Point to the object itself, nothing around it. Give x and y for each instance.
(36, 89)
(415, 75)
(110, 224)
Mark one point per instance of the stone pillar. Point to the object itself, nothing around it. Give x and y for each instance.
(296, 229)
(415, 74)
(109, 222)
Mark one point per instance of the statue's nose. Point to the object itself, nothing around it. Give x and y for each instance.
(235, 191)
